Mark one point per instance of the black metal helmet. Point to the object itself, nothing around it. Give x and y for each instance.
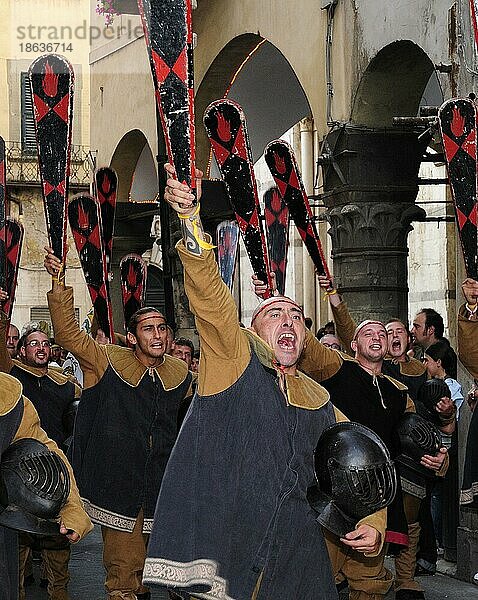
(34, 486)
(355, 476)
(417, 437)
(429, 394)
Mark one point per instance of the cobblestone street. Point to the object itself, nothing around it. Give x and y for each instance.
(87, 579)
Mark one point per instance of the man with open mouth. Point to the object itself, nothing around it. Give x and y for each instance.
(243, 461)
(126, 426)
(363, 389)
(54, 397)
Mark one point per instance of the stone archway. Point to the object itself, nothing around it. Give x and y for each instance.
(136, 204)
(392, 85)
(125, 159)
(370, 173)
(256, 74)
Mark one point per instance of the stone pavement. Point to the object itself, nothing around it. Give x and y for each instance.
(87, 578)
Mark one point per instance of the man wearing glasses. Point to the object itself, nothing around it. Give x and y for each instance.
(51, 392)
(329, 340)
(53, 395)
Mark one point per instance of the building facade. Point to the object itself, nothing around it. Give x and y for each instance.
(329, 75)
(33, 28)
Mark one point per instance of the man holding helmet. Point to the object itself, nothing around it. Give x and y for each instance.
(243, 461)
(18, 421)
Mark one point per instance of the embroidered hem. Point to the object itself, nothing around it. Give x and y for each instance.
(102, 516)
(169, 573)
(468, 496)
(414, 489)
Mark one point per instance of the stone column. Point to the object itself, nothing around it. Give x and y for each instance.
(370, 184)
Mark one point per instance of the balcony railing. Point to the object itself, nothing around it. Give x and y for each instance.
(22, 165)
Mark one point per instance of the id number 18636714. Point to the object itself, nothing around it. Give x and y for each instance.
(45, 47)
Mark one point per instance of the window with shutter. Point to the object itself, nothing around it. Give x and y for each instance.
(28, 125)
(42, 313)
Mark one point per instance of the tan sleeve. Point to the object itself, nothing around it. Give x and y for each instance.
(317, 361)
(6, 363)
(468, 342)
(91, 356)
(72, 514)
(377, 520)
(410, 406)
(345, 326)
(339, 416)
(444, 468)
(225, 351)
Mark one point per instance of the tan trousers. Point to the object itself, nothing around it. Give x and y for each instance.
(367, 576)
(406, 561)
(124, 554)
(56, 568)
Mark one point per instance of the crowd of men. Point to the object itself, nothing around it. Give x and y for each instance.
(199, 468)
(55, 394)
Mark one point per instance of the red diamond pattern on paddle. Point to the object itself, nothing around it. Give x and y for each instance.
(254, 220)
(243, 224)
(293, 181)
(473, 215)
(48, 188)
(41, 108)
(62, 108)
(240, 148)
(220, 152)
(270, 217)
(12, 254)
(163, 70)
(95, 236)
(469, 145)
(181, 65)
(102, 291)
(282, 185)
(462, 218)
(80, 241)
(451, 147)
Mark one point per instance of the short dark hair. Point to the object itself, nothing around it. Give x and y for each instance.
(323, 330)
(442, 351)
(398, 320)
(183, 341)
(435, 320)
(136, 317)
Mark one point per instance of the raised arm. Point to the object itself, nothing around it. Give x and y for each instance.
(468, 327)
(225, 351)
(344, 324)
(318, 361)
(91, 356)
(6, 363)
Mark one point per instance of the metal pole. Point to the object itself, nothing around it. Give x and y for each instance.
(164, 216)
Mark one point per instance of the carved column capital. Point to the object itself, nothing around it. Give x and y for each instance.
(362, 226)
(370, 185)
